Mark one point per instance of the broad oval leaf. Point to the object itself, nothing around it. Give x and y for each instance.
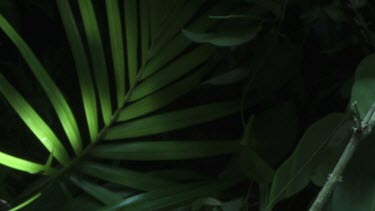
(294, 174)
(364, 84)
(224, 39)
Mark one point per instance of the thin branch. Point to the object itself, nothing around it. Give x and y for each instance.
(336, 175)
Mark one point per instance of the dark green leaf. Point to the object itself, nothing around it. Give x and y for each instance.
(165, 150)
(294, 174)
(125, 177)
(131, 27)
(230, 77)
(173, 195)
(165, 96)
(224, 39)
(357, 191)
(364, 84)
(173, 71)
(97, 191)
(171, 121)
(254, 167)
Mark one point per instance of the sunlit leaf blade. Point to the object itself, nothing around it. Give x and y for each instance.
(116, 37)
(100, 193)
(53, 93)
(97, 57)
(173, 71)
(165, 150)
(36, 124)
(171, 121)
(23, 165)
(82, 64)
(131, 26)
(224, 39)
(364, 84)
(174, 25)
(27, 202)
(165, 96)
(145, 28)
(173, 195)
(128, 178)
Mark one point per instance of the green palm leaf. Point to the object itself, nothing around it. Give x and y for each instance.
(126, 177)
(164, 96)
(131, 22)
(50, 88)
(171, 121)
(24, 165)
(36, 124)
(145, 29)
(102, 194)
(83, 68)
(164, 150)
(183, 65)
(160, 66)
(115, 30)
(169, 197)
(97, 58)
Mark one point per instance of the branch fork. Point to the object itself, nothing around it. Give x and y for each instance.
(361, 130)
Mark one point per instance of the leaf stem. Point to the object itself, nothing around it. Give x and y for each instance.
(336, 175)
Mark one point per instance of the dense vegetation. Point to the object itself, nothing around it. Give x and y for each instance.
(183, 104)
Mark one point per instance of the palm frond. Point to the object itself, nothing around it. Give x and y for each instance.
(35, 123)
(83, 66)
(99, 63)
(117, 45)
(54, 94)
(154, 65)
